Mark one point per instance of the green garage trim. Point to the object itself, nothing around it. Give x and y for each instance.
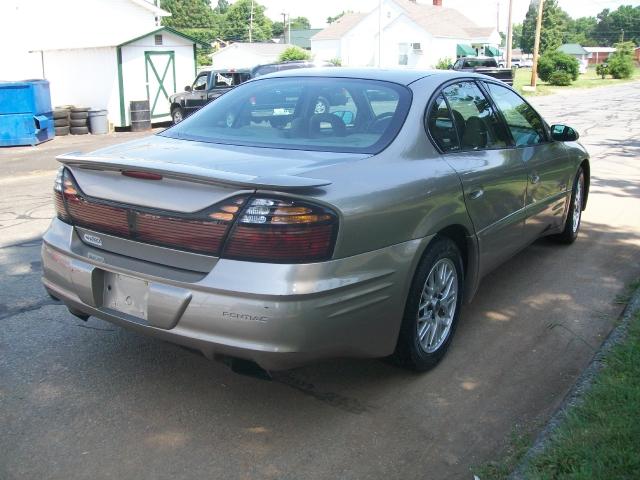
(123, 121)
(464, 50)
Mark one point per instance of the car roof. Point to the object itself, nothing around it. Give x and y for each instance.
(401, 76)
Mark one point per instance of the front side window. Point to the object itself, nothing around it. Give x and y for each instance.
(306, 113)
(477, 124)
(525, 125)
(441, 127)
(200, 83)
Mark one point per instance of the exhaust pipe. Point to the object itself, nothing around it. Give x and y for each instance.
(245, 367)
(81, 315)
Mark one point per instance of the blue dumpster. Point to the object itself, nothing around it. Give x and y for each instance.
(25, 113)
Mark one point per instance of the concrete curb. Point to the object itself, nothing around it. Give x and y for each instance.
(582, 385)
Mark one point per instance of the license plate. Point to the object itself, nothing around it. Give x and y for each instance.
(126, 294)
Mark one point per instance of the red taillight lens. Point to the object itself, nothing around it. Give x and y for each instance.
(58, 201)
(269, 230)
(282, 231)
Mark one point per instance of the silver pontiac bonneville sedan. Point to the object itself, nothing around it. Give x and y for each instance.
(259, 230)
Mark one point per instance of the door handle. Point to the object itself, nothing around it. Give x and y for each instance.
(533, 178)
(476, 194)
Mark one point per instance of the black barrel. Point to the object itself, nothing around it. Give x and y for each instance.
(140, 115)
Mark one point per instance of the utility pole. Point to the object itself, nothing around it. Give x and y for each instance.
(380, 34)
(251, 24)
(510, 34)
(622, 39)
(289, 26)
(536, 46)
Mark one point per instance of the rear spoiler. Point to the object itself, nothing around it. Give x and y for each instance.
(190, 173)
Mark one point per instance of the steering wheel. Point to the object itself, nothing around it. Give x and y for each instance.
(338, 127)
(380, 123)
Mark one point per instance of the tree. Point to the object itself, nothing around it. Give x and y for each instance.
(340, 15)
(517, 35)
(222, 7)
(196, 19)
(299, 23)
(581, 30)
(554, 24)
(621, 61)
(189, 14)
(237, 20)
(610, 25)
(294, 53)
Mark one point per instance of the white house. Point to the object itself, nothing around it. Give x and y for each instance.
(247, 55)
(98, 53)
(413, 34)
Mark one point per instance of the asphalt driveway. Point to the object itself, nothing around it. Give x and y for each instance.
(90, 400)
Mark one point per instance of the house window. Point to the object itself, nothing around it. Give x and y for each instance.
(403, 54)
(158, 39)
(417, 46)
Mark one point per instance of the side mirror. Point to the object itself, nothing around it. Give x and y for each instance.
(187, 88)
(563, 133)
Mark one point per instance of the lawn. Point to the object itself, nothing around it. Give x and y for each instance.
(586, 80)
(600, 437)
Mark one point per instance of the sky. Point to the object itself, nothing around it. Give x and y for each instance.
(484, 12)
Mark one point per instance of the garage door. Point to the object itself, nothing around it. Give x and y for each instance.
(160, 69)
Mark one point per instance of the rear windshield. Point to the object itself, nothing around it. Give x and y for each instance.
(302, 113)
(480, 63)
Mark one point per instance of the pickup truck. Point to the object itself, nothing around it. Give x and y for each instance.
(485, 66)
(207, 86)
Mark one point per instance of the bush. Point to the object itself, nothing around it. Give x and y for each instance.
(336, 62)
(294, 53)
(558, 62)
(560, 78)
(621, 67)
(444, 63)
(603, 70)
(621, 61)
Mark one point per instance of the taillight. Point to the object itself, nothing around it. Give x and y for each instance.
(58, 201)
(282, 231)
(269, 230)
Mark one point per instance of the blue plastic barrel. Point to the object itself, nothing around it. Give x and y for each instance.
(26, 116)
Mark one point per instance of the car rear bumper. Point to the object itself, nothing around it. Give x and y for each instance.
(279, 316)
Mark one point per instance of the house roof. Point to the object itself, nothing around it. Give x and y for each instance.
(600, 49)
(119, 40)
(572, 49)
(258, 48)
(300, 37)
(340, 27)
(159, 12)
(437, 20)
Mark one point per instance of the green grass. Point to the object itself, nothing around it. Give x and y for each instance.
(600, 439)
(586, 80)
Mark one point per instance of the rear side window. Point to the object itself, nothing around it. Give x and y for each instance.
(477, 124)
(525, 125)
(441, 127)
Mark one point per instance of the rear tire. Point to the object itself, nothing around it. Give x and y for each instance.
(574, 215)
(433, 307)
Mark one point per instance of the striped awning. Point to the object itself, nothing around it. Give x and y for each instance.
(492, 52)
(464, 50)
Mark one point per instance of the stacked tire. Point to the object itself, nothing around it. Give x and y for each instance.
(61, 119)
(78, 122)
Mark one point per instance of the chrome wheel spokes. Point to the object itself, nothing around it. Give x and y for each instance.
(437, 306)
(577, 205)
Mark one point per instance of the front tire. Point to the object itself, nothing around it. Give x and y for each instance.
(433, 307)
(177, 115)
(574, 215)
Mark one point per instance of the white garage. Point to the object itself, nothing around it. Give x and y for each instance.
(150, 67)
